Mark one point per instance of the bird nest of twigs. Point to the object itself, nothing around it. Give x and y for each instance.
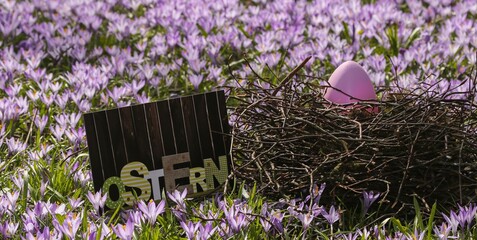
(419, 144)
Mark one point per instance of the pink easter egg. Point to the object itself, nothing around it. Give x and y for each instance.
(350, 83)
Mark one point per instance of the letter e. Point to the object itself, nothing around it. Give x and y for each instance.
(171, 174)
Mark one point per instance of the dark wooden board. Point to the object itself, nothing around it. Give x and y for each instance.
(155, 134)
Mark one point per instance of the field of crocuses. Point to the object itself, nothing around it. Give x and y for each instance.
(62, 58)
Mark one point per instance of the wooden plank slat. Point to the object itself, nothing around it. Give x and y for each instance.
(223, 117)
(191, 129)
(142, 137)
(127, 123)
(215, 123)
(154, 127)
(204, 128)
(225, 126)
(167, 132)
(117, 139)
(178, 125)
(105, 147)
(93, 149)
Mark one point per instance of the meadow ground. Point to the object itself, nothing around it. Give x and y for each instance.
(60, 59)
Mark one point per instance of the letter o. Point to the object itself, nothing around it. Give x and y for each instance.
(121, 189)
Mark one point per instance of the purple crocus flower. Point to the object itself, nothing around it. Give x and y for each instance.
(224, 229)
(13, 90)
(136, 216)
(47, 99)
(40, 210)
(43, 186)
(76, 135)
(61, 100)
(467, 215)
(196, 79)
(377, 231)
(452, 221)
(151, 210)
(117, 93)
(74, 119)
(178, 197)
(368, 199)
(276, 218)
(62, 120)
(190, 228)
(364, 234)
(305, 219)
(236, 219)
(143, 98)
(292, 208)
(105, 230)
(15, 145)
(41, 122)
(84, 105)
(75, 203)
(442, 232)
(97, 200)
(54, 208)
(123, 103)
(135, 86)
(206, 231)
(40, 235)
(57, 131)
(3, 230)
(332, 216)
(317, 192)
(18, 180)
(163, 69)
(30, 223)
(316, 210)
(263, 219)
(180, 214)
(9, 229)
(350, 236)
(70, 225)
(124, 232)
(196, 65)
(33, 95)
(12, 199)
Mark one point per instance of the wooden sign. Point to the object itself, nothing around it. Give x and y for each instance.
(141, 151)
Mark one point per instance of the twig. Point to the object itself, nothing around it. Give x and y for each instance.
(290, 75)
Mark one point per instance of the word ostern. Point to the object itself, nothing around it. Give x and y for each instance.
(136, 182)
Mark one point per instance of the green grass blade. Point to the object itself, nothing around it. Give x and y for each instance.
(418, 219)
(397, 224)
(114, 214)
(430, 222)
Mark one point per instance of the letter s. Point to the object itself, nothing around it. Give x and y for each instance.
(137, 182)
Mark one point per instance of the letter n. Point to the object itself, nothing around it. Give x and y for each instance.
(216, 174)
